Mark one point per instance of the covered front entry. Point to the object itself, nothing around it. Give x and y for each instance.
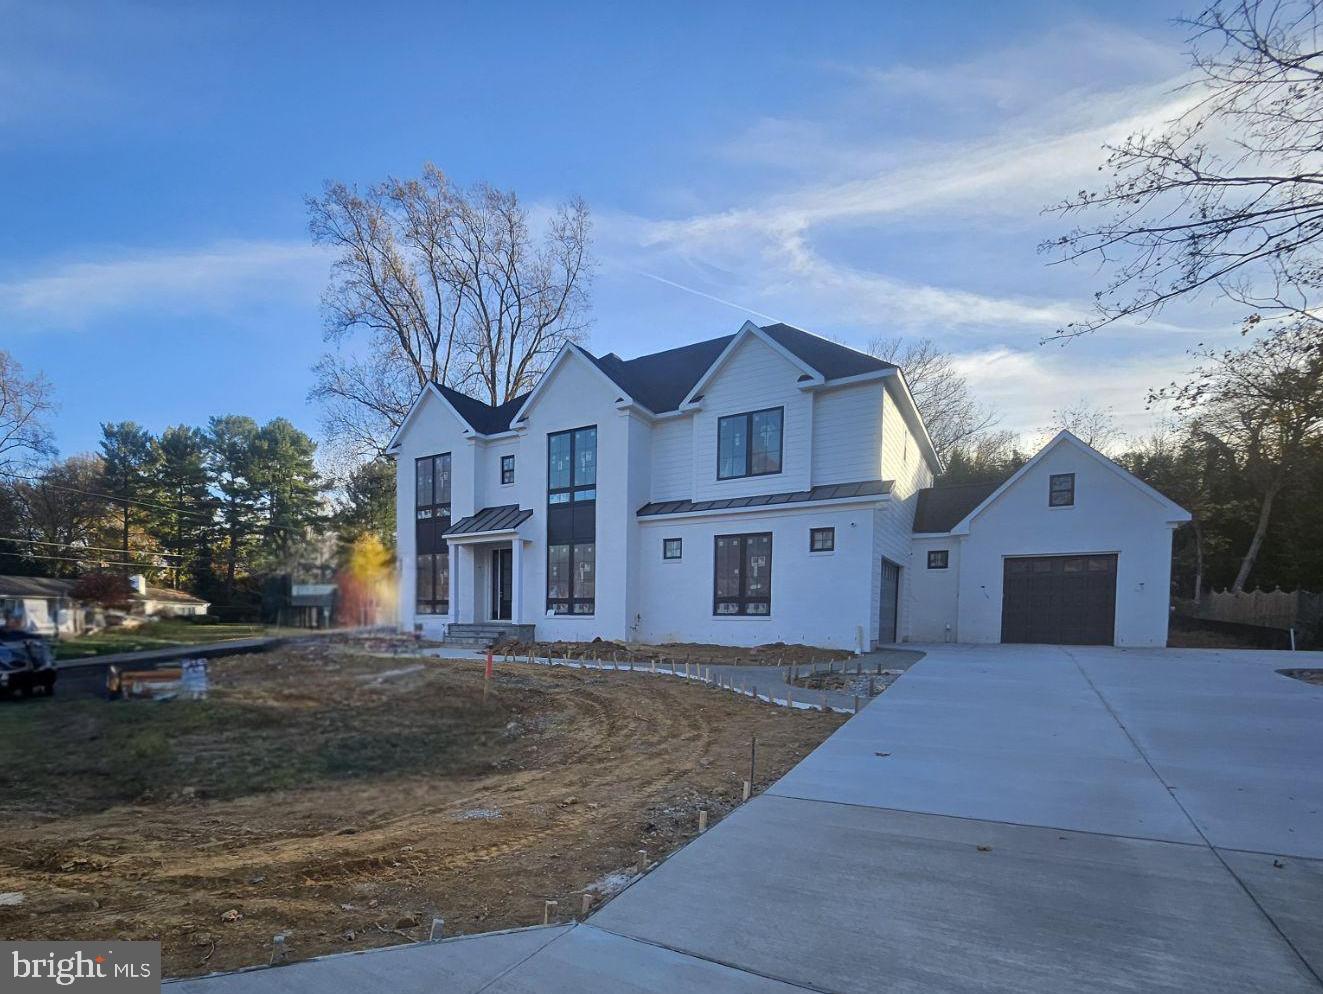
(1059, 600)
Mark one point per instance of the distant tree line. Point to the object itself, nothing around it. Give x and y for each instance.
(211, 509)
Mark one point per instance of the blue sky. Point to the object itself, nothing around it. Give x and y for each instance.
(855, 169)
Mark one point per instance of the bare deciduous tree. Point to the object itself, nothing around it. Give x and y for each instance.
(1261, 409)
(1094, 426)
(953, 418)
(450, 285)
(1229, 195)
(25, 403)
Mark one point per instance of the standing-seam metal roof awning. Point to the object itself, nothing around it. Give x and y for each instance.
(505, 518)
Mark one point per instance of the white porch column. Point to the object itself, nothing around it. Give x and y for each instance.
(455, 555)
(517, 580)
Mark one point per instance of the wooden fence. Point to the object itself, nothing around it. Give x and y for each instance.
(1283, 609)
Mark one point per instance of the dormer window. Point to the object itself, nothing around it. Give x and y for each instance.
(749, 444)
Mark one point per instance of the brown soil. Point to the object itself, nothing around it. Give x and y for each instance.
(1307, 676)
(344, 798)
(773, 654)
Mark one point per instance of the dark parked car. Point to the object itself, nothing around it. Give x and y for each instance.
(27, 664)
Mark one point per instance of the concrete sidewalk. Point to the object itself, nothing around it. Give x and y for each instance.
(767, 682)
(1008, 818)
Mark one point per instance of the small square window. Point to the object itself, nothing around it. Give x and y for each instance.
(822, 539)
(938, 559)
(507, 469)
(672, 548)
(1061, 490)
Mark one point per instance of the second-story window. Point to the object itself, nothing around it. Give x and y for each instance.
(749, 444)
(431, 519)
(507, 469)
(1061, 490)
(572, 521)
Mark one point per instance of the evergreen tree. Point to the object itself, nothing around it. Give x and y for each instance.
(127, 465)
(181, 523)
(231, 444)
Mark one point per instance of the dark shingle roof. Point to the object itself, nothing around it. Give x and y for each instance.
(834, 362)
(661, 380)
(491, 519)
(483, 418)
(941, 508)
(826, 491)
(34, 586)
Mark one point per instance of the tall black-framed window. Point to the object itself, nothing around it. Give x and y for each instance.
(750, 444)
(572, 521)
(431, 519)
(742, 574)
(507, 469)
(1061, 490)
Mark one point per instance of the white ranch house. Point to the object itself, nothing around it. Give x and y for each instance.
(764, 486)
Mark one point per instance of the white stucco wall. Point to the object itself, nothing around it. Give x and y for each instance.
(1110, 515)
(933, 594)
(817, 598)
(434, 430)
(578, 395)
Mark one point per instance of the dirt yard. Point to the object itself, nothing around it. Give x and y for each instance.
(773, 654)
(344, 798)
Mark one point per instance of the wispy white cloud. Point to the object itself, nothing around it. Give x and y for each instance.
(1027, 385)
(776, 247)
(219, 277)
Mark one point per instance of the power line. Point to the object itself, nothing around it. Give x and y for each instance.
(210, 518)
(96, 548)
(111, 497)
(91, 559)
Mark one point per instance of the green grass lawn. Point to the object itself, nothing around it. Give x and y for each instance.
(161, 634)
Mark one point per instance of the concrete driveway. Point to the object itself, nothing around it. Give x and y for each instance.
(1002, 819)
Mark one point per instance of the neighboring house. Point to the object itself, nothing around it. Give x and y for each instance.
(755, 488)
(163, 602)
(311, 605)
(39, 604)
(1071, 549)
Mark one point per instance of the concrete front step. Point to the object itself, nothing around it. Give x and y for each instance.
(486, 633)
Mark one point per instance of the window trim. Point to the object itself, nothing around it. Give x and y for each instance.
(743, 600)
(830, 532)
(507, 467)
(748, 447)
(575, 494)
(666, 552)
(939, 558)
(439, 602)
(1052, 490)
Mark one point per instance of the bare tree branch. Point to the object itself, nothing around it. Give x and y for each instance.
(1229, 195)
(448, 285)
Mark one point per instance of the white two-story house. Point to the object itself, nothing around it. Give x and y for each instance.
(760, 487)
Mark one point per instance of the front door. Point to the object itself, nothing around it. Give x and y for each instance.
(889, 602)
(502, 583)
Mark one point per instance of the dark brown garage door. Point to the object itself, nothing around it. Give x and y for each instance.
(1062, 600)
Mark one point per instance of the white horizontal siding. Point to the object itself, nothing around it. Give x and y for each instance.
(846, 427)
(754, 377)
(673, 459)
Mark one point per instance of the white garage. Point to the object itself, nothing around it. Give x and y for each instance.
(1072, 549)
